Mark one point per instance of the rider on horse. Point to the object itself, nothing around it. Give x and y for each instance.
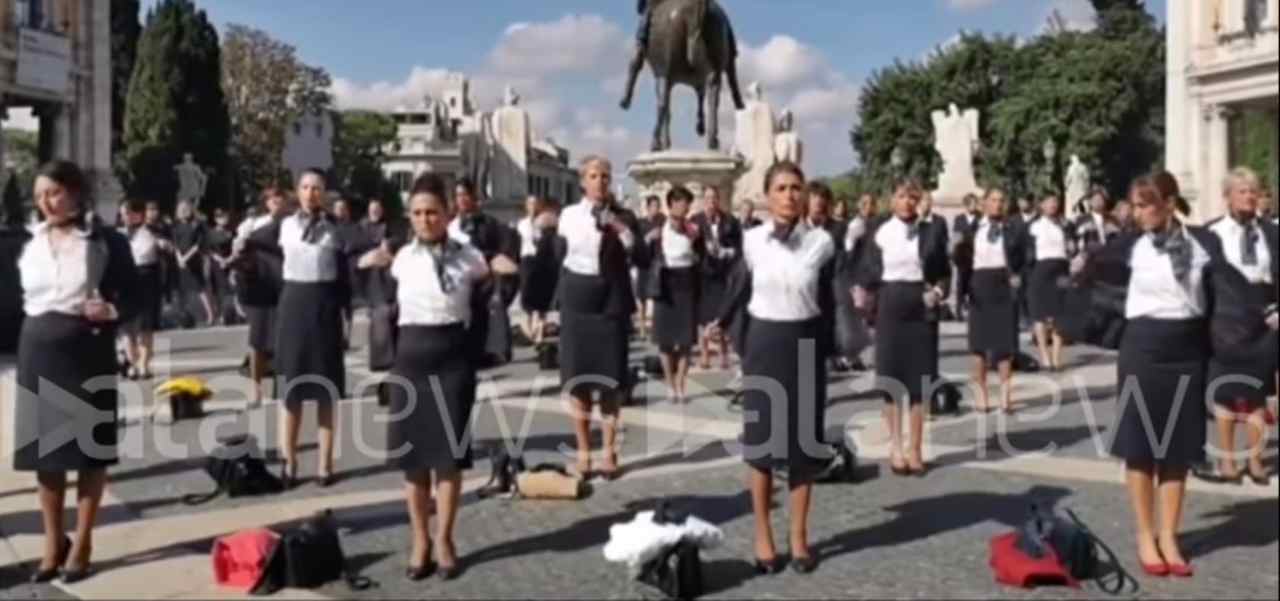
(646, 8)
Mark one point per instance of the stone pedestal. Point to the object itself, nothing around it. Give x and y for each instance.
(656, 173)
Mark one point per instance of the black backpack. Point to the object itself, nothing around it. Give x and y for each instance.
(239, 471)
(677, 572)
(549, 356)
(310, 556)
(946, 399)
(1075, 546)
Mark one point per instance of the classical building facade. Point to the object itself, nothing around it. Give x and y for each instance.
(451, 137)
(55, 58)
(1223, 61)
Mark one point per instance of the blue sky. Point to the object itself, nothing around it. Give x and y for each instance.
(567, 56)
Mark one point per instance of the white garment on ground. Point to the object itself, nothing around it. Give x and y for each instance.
(641, 540)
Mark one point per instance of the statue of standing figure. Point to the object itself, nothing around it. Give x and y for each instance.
(787, 145)
(511, 133)
(956, 140)
(754, 139)
(1076, 184)
(192, 179)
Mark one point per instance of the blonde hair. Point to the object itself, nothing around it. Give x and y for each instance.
(593, 160)
(1238, 176)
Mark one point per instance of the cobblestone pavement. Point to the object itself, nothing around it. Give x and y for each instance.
(883, 537)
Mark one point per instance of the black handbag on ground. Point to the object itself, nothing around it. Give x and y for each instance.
(549, 356)
(239, 471)
(506, 469)
(946, 399)
(310, 556)
(1073, 544)
(677, 572)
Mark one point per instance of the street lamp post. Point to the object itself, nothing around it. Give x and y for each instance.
(897, 159)
(1050, 159)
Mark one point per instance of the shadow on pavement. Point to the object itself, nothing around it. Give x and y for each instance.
(1247, 524)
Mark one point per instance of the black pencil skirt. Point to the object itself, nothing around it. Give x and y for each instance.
(711, 293)
(993, 315)
(1242, 376)
(537, 285)
(594, 344)
(67, 397)
(1161, 390)
(906, 342)
(784, 432)
(150, 300)
(1046, 295)
(431, 400)
(675, 314)
(309, 345)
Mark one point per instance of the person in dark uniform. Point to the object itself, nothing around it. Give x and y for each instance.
(189, 241)
(1025, 212)
(675, 252)
(221, 243)
(308, 344)
(852, 326)
(499, 243)
(653, 220)
(962, 254)
(537, 274)
(147, 252)
(747, 217)
(907, 269)
(1161, 273)
(349, 234)
(159, 225)
(722, 235)
(1244, 326)
(995, 263)
(1050, 242)
(441, 287)
(1122, 215)
(601, 240)
(819, 217)
(378, 287)
(789, 303)
(1096, 227)
(78, 284)
(258, 278)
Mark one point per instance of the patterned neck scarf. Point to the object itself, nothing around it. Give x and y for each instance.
(312, 232)
(782, 231)
(995, 231)
(1172, 241)
(913, 227)
(1248, 241)
(440, 252)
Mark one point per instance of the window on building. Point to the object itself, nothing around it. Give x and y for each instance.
(29, 13)
(403, 180)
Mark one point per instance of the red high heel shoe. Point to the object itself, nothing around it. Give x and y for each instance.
(1181, 571)
(1159, 570)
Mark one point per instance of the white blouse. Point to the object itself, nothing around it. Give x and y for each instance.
(901, 255)
(1155, 293)
(307, 262)
(421, 294)
(529, 237)
(145, 246)
(987, 254)
(784, 277)
(1050, 238)
(578, 228)
(677, 248)
(55, 280)
(1231, 232)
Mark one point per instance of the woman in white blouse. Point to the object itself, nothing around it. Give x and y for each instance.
(1161, 274)
(676, 249)
(597, 301)
(994, 266)
(790, 307)
(441, 287)
(537, 275)
(1050, 242)
(78, 286)
(1242, 371)
(147, 247)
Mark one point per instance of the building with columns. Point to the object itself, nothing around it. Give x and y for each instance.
(1223, 62)
(55, 58)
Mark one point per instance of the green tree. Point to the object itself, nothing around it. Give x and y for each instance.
(175, 105)
(361, 142)
(267, 89)
(125, 29)
(21, 150)
(13, 212)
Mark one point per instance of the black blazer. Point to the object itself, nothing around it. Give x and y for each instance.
(933, 242)
(1238, 322)
(1087, 235)
(730, 236)
(654, 285)
(120, 284)
(1015, 241)
(616, 263)
(1096, 304)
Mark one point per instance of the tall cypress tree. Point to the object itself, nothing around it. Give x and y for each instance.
(175, 105)
(125, 29)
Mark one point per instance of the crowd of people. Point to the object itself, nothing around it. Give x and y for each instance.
(801, 292)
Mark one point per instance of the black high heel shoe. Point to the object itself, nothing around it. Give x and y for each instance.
(769, 568)
(45, 576)
(419, 573)
(804, 565)
(74, 576)
(289, 476)
(449, 573)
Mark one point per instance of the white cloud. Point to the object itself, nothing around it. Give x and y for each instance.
(1077, 15)
(780, 62)
(21, 118)
(969, 4)
(575, 44)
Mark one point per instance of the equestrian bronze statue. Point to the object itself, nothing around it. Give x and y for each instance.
(688, 42)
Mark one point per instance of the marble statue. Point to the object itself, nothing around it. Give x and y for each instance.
(192, 179)
(787, 145)
(511, 134)
(1077, 182)
(956, 139)
(754, 137)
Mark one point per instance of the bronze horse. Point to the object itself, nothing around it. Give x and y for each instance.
(674, 25)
